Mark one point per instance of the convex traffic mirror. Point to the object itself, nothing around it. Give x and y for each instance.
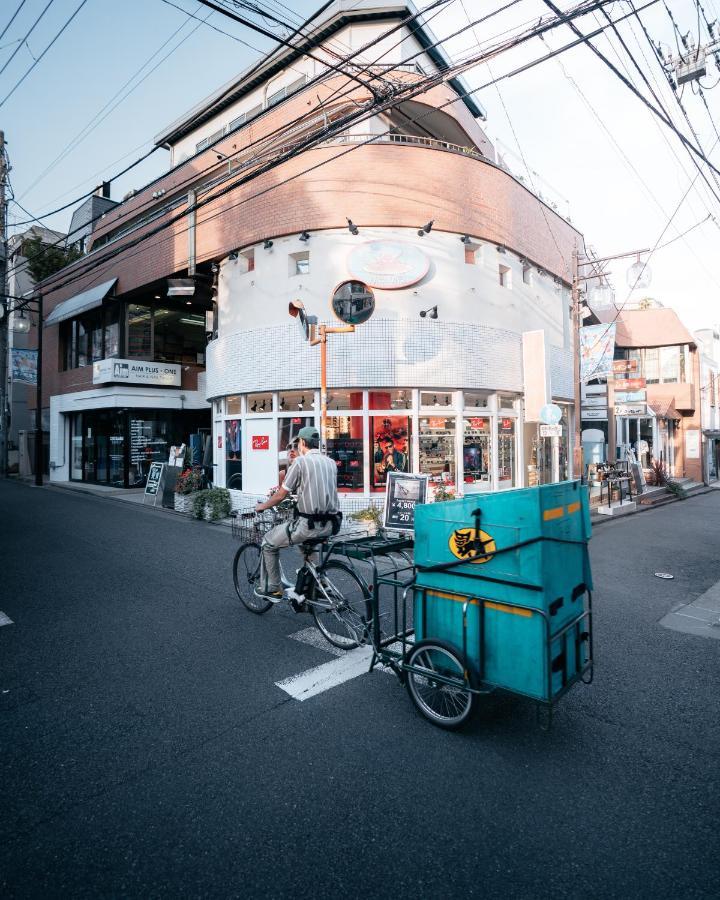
(353, 302)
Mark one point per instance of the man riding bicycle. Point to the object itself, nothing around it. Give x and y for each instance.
(312, 477)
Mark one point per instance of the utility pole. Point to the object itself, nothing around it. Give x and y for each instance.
(4, 313)
(577, 431)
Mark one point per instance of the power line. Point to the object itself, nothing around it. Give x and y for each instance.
(98, 118)
(39, 59)
(12, 19)
(421, 87)
(22, 40)
(283, 128)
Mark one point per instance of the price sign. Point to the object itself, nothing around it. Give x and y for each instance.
(551, 431)
(402, 494)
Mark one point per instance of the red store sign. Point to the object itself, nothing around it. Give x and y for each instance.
(261, 442)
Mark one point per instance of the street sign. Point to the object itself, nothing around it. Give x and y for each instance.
(631, 409)
(625, 365)
(595, 414)
(402, 494)
(551, 431)
(630, 396)
(629, 384)
(154, 481)
(550, 414)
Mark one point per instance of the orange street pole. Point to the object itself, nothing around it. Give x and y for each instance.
(318, 335)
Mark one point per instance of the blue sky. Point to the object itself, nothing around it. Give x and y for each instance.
(570, 120)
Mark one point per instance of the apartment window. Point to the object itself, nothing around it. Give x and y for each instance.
(299, 263)
(652, 365)
(505, 276)
(527, 275)
(473, 255)
(91, 337)
(670, 364)
(247, 260)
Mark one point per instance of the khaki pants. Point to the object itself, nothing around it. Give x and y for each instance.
(285, 535)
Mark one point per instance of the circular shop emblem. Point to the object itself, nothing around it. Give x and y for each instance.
(471, 545)
(388, 264)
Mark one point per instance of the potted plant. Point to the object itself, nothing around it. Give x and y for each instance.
(188, 482)
(211, 504)
(369, 519)
(442, 493)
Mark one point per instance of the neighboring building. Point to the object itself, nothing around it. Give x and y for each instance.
(21, 432)
(443, 396)
(665, 426)
(709, 342)
(86, 217)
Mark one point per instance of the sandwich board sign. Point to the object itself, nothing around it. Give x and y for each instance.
(154, 482)
(402, 494)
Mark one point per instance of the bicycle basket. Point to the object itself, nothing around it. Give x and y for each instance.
(250, 526)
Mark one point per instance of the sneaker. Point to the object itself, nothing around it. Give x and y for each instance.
(272, 596)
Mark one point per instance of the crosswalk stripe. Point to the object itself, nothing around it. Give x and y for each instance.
(327, 675)
(5, 620)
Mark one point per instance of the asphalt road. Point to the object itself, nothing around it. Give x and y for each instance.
(146, 750)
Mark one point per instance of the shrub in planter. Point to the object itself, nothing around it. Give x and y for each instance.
(211, 504)
(189, 481)
(369, 518)
(442, 494)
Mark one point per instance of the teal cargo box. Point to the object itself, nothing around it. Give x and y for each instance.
(511, 647)
(525, 547)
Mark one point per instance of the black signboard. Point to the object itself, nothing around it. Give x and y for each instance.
(403, 493)
(153, 480)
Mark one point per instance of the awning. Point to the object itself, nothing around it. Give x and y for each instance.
(712, 433)
(664, 409)
(80, 303)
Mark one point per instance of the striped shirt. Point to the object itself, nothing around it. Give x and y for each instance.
(313, 477)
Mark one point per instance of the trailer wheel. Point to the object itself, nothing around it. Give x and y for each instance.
(438, 685)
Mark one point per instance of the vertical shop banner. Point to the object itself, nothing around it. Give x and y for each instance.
(23, 365)
(597, 348)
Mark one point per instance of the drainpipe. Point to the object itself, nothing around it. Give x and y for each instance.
(191, 219)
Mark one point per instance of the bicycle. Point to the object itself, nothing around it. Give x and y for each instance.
(331, 591)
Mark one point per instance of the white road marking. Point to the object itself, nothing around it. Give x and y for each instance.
(328, 675)
(313, 637)
(5, 620)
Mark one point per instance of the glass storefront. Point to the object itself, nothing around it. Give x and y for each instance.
(288, 429)
(436, 438)
(477, 453)
(344, 439)
(391, 448)
(233, 453)
(117, 447)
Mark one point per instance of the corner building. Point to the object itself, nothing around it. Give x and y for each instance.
(443, 394)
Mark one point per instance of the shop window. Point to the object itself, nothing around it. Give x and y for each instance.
(148, 444)
(139, 330)
(505, 402)
(506, 452)
(111, 331)
(259, 403)
(233, 454)
(344, 439)
(179, 336)
(390, 399)
(505, 276)
(391, 448)
(345, 400)
(76, 448)
(288, 429)
(475, 401)
(435, 399)
(299, 263)
(233, 406)
(477, 450)
(437, 449)
(296, 401)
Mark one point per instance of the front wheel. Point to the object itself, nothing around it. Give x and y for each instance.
(438, 685)
(246, 576)
(342, 609)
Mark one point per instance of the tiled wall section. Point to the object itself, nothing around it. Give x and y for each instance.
(381, 353)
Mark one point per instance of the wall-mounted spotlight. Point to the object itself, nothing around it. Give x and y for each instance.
(234, 255)
(253, 408)
(221, 155)
(214, 268)
(466, 239)
(305, 237)
(352, 227)
(262, 406)
(500, 249)
(426, 229)
(431, 313)
(301, 403)
(282, 403)
(267, 244)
